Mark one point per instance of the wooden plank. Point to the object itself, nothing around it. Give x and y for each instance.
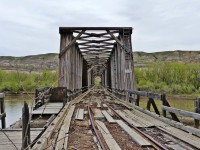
(79, 114)
(182, 112)
(108, 117)
(134, 135)
(63, 133)
(43, 140)
(105, 106)
(98, 105)
(45, 112)
(16, 137)
(170, 122)
(97, 113)
(182, 135)
(143, 119)
(124, 116)
(110, 141)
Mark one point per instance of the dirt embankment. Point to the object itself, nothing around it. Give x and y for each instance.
(32, 63)
(49, 61)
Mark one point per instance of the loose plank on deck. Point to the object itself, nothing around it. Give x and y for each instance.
(108, 117)
(110, 141)
(63, 133)
(134, 135)
(79, 114)
(49, 108)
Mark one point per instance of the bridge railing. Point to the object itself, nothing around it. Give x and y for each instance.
(135, 96)
(56, 94)
(117, 92)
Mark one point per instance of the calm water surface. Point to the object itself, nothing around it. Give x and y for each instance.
(13, 107)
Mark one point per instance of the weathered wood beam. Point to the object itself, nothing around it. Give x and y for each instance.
(96, 52)
(88, 49)
(117, 40)
(96, 42)
(96, 45)
(66, 29)
(87, 36)
(71, 43)
(182, 112)
(88, 40)
(26, 137)
(2, 107)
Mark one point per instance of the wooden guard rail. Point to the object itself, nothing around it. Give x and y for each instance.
(134, 97)
(57, 94)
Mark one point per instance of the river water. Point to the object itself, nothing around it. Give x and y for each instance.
(13, 107)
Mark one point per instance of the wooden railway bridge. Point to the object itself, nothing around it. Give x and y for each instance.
(78, 115)
(87, 52)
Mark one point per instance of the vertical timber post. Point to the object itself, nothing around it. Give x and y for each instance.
(26, 140)
(163, 97)
(137, 102)
(3, 119)
(197, 110)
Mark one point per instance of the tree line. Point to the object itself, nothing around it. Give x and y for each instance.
(169, 77)
(22, 82)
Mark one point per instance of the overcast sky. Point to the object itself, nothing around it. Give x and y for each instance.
(30, 27)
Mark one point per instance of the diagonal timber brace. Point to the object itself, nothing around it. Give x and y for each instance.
(71, 43)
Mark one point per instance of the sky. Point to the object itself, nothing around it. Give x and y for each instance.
(30, 27)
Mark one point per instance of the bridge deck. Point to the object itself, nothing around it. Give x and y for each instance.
(81, 134)
(98, 119)
(49, 108)
(16, 136)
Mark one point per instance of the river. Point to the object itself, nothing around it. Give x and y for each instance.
(13, 107)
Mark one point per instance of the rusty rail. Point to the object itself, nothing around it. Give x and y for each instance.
(94, 128)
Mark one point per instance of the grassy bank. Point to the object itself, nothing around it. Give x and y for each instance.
(169, 78)
(20, 82)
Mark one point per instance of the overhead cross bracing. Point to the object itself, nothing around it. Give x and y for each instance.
(99, 51)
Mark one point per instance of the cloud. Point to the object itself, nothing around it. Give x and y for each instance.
(31, 27)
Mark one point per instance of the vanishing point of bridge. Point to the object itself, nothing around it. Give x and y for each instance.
(79, 115)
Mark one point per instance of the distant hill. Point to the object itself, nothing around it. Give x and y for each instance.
(30, 63)
(49, 61)
(167, 56)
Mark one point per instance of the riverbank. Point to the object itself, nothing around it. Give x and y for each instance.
(20, 82)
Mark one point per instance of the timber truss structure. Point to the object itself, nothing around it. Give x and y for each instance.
(87, 52)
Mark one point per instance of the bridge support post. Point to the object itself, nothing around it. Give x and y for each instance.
(197, 110)
(3, 114)
(163, 97)
(26, 138)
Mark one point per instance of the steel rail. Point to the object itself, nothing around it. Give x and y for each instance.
(94, 128)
